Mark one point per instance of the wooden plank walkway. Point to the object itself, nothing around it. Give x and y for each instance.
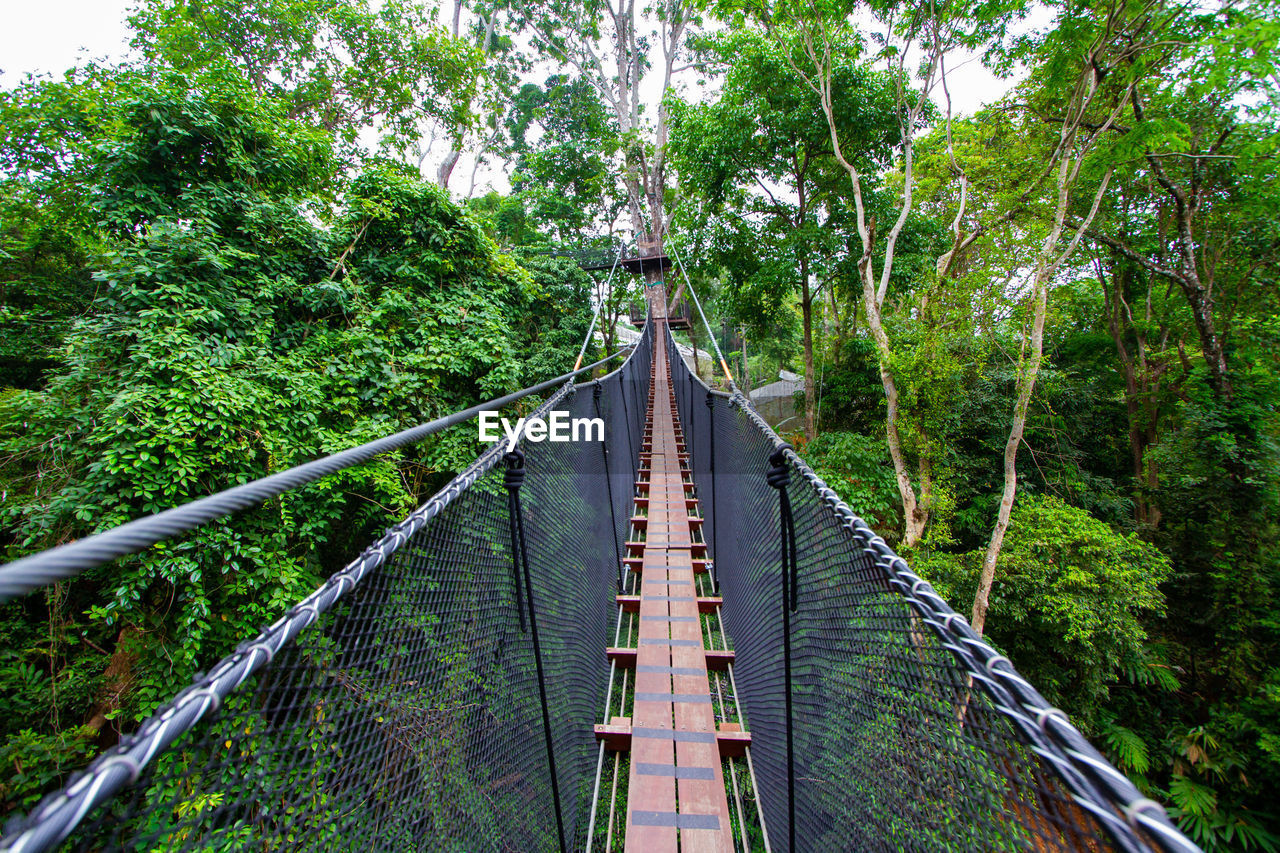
(676, 795)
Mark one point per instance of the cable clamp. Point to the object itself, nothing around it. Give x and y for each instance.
(206, 693)
(1143, 804)
(128, 761)
(1043, 715)
(265, 649)
(990, 666)
(308, 608)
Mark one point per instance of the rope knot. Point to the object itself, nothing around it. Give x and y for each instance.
(515, 471)
(780, 474)
(596, 389)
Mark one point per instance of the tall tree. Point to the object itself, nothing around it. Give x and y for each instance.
(602, 42)
(760, 155)
(1089, 114)
(901, 31)
(335, 63)
(561, 138)
(486, 24)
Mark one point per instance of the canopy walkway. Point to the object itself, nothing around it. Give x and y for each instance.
(678, 638)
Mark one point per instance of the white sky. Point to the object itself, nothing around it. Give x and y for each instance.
(50, 36)
(53, 35)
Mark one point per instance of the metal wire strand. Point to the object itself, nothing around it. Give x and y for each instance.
(937, 741)
(66, 561)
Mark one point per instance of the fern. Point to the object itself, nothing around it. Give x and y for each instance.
(1125, 747)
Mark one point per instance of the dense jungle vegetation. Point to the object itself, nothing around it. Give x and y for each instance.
(1040, 338)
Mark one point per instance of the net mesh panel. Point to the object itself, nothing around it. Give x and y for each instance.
(408, 716)
(896, 746)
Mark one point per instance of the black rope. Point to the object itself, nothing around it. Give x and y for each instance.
(67, 561)
(779, 477)
(514, 479)
(596, 390)
(632, 459)
(711, 440)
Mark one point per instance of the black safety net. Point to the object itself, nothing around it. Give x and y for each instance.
(908, 731)
(399, 707)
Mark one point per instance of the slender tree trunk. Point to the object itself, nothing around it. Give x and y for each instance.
(1026, 384)
(1071, 152)
(1198, 291)
(915, 516)
(1141, 385)
(810, 391)
(446, 167)
(693, 340)
(1046, 267)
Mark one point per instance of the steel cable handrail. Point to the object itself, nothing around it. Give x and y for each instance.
(67, 561)
(60, 813)
(1096, 785)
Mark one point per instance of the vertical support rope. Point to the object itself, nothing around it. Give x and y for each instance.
(513, 480)
(596, 390)
(715, 509)
(626, 417)
(779, 477)
(692, 431)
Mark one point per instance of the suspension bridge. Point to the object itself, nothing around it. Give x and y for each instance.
(676, 639)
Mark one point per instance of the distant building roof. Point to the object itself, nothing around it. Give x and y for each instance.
(781, 388)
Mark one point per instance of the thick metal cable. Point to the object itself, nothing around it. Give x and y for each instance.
(393, 706)
(67, 561)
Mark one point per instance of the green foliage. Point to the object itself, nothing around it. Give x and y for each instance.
(562, 140)
(1068, 603)
(242, 325)
(858, 468)
(202, 281)
(767, 130)
(336, 65)
(47, 132)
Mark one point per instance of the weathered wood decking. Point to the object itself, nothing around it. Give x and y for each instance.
(676, 792)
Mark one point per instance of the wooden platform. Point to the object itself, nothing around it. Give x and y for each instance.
(676, 795)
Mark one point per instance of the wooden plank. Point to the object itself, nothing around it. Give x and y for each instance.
(676, 786)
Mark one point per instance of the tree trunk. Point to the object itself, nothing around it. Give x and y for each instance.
(915, 514)
(1026, 384)
(693, 339)
(810, 391)
(1141, 382)
(446, 168)
(1046, 266)
(1198, 292)
(118, 681)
